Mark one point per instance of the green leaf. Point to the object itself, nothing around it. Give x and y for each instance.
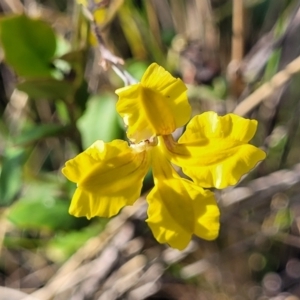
(41, 208)
(272, 65)
(100, 120)
(46, 88)
(82, 95)
(29, 45)
(11, 175)
(63, 245)
(283, 219)
(137, 69)
(39, 132)
(75, 58)
(62, 46)
(77, 61)
(219, 87)
(44, 212)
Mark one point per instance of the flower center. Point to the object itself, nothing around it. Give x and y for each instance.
(145, 144)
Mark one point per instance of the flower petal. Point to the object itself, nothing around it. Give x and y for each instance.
(214, 151)
(178, 208)
(108, 176)
(155, 106)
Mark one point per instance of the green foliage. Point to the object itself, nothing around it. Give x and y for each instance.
(29, 45)
(46, 88)
(100, 120)
(42, 213)
(283, 219)
(42, 208)
(41, 132)
(48, 68)
(137, 69)
(65, 244)
(81, 96)
(11, 174)
(272, 65)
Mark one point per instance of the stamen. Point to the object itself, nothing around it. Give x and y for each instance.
(145, 144)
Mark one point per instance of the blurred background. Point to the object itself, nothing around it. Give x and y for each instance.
(57, 98)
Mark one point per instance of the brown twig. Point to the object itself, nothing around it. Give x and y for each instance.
(262, 188)
(108, 58)
(90, 249)
(268, 88)
(237, 50)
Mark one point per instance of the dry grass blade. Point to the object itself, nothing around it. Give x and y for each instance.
(87, 251)
(268, 88)
(15, 6)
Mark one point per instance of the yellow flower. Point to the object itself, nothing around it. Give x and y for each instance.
(155, 106)
(110, 175)
(213, 152)
(179, 208)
